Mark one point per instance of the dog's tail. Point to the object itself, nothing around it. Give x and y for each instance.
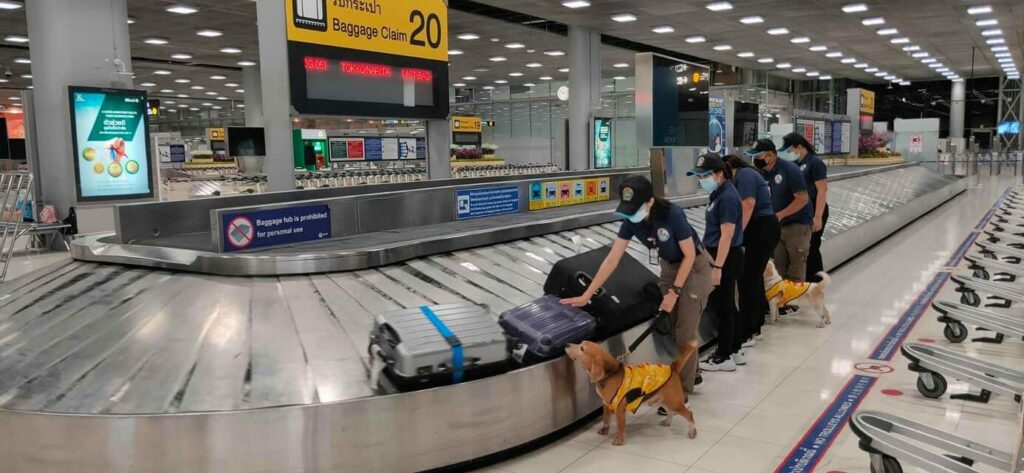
(826, 280)
(689, 350)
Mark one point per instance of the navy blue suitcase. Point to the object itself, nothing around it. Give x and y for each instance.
(541, 329)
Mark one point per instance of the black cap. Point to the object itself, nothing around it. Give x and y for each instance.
(762, 145)
(706, 164)
(791, 140)
(633, 192)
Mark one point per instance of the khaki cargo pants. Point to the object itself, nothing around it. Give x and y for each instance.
(791, 252)
(686, 315)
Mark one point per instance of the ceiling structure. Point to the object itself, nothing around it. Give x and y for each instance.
(941, 28)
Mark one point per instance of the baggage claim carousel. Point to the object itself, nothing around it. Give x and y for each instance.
(135, 367)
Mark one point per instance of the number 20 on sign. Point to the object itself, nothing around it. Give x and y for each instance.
(412, 28)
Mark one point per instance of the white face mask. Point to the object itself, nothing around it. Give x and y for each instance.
(789, 156)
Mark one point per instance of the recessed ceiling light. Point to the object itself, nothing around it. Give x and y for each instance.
(495, 40)
(211, 93)
(131, 21)
(181, 56)
(766, 60)
(719, 6)
(992, 32)
(529, 84)
(621, 65)
(800, 40)
(26, 76)
(8, 5)
(623, 18)
(170, 102)
(193, 109)
(469, 78)
(887, 31)
(166, 91)
(501, 81)
(1005, 59)
(663, 29)
(156, 41)
(148, 84)
(217, 77)
(848, 60)
(15, 39)
(912, 48)
(245, 63)
(182, 81)
(209, 33)
(778, 31)
(746, 54)
(576, 4)
(861, 65)
(891, 78)
(459, 84)
(1003, 54)
(515, 74)
(564, 69)
(855, 8)
(881, 74)
(182, 96)
(989, 22)
(218, 107)
(498, 58)
(979, 10)
(902, 40)
(554, 52)
(454, 52)
(182, 9)
(3, 81)
(696, 39)
(22, 60)
(928, 60)
(995, 41)
(751, 20)
(481, 69)
(871, 69)
(468, 36)
(877, 20)
(813, 74)
(239, 91)
(515, 45)
(919, 55)
(819, 48)
(534, 64)
(942, 69)
(722, 47)
(783, 65)
(999, 48)
(546, 78)
(488, 87)
(162, 72)
(825, 78)
(799, 70)
(834, 54)
(935, 65)
(14, 97)
(230, 50)
(619, 78)
(222, 98)
(198, 87)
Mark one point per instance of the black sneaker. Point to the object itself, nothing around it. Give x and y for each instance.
(698, 383)
(788, 310)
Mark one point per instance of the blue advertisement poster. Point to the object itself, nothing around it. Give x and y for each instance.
(249, 230)
(109, 134)
(374, 149)
(716, 125)
(485, 202)
(603, 143)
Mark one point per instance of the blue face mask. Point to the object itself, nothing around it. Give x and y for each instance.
(639, 216)
(708, 184)
(789, 156)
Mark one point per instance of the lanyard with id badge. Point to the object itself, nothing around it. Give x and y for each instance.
(652, 251)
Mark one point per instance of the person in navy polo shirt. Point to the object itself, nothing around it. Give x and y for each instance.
(792, 207)
(723, 240)
(815, 172)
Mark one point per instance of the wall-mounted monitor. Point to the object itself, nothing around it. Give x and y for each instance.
(246, 141)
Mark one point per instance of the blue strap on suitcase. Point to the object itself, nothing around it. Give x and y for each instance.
(457, 355)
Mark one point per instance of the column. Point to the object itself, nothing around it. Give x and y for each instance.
(253, 96)
(956, 110)
(439, 138)
(65, 50)
(273, 72)
(584, 93)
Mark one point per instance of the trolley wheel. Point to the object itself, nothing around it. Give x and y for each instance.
(936, 391)
(970, 298)
(889, 465)
(955, 332)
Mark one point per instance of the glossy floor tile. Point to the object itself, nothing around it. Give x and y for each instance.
(749, 420)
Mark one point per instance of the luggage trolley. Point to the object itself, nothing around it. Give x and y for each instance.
(994, 269)
(1004, 293)
(932, 364)
(955, 315)
(890, 439)
(1005, 239)
(1001, 253)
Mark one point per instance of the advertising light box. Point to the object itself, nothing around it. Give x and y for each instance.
(110, 133)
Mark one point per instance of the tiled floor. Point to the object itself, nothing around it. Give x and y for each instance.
(750, 419)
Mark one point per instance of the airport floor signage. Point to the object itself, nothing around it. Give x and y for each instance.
(551, 194)
(486, 202)
(275, 227)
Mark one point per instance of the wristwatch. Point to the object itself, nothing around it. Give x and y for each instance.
(676, 289)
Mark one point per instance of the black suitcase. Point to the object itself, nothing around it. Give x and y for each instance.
(542, 328)
(628, 298)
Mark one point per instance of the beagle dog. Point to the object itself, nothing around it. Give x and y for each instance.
(781, 292)
(625, 387)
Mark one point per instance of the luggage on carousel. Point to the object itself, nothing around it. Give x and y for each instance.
(432, 346)
(541, 329)
(629, 297)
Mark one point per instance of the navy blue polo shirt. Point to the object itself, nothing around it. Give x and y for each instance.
(749, 183)
(814, 170)
(724, 208)
(785, 181)
(663, 235)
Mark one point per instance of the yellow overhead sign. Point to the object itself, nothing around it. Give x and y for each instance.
(413, 28)
(467, 124)
(216, 134)
(867, 101)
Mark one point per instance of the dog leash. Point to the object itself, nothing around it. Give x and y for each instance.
(658, 318)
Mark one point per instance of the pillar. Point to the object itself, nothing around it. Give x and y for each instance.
(273, 72)
(439, 138)
(956, 110)
(584, 93)
(253, 96)
(62, 55)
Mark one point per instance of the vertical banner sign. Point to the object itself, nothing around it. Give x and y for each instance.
(603, 143)
(716, 125)
(110, 135)
(485, 202)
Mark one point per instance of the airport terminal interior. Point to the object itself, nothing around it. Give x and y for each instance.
(511, 236)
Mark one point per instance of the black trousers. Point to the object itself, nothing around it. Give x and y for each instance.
(759, 241)
(814, 263)
(723, 301)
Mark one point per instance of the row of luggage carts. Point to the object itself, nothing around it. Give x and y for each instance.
(501, 170)
(992, 301)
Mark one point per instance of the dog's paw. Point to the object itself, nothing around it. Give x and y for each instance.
(692, 433)
(666, 423)
(603, 430)
(618, 441)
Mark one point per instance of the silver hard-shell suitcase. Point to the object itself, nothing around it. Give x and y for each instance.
(417, 354)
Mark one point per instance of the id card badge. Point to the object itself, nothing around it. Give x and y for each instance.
(652, 252)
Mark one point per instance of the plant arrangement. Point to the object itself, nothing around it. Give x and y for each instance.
(489, 149)
(876, 146)
(468, 153)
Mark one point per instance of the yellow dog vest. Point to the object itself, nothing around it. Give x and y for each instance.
(639, 382)
(790, 291)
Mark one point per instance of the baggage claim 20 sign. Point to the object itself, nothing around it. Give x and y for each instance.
(372, 58)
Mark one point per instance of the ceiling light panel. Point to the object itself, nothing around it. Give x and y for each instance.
(719, 6)
(873, 21)
(751, 20)
(663, 29)
(979, 10)
(800, 40)
(624, 18)
(574, 4)
(778, 31)
(182, 9)
(855, 8)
